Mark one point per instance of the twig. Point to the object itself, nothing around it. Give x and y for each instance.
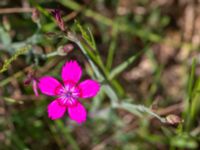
(170, 109)
(17, 10)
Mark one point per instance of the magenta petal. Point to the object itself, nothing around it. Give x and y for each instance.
(49, 85)
(55, 110)
(77, 113)
(71, 71)
(89, 88)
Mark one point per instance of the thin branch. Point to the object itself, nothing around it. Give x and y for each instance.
(17, 10)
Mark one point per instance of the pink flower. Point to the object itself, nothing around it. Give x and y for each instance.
(68, 93)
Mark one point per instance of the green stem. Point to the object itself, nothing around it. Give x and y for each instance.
(140, 108)
(49, 55)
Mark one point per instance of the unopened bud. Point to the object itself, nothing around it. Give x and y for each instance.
(35, 87)
(31, 79)
(28, 78)
(35, 15)
(64, 50)
(68, 48)
(6, 23)
(56, 14)
(173, 119)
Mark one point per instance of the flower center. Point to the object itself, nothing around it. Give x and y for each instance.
(68, 95)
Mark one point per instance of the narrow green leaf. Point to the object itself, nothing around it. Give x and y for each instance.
(191, 78)
(190, 108)
(195, 102)
(120, 68)
(87, 35)
(112, 47)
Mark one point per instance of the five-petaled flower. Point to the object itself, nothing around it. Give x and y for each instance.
(68, 93)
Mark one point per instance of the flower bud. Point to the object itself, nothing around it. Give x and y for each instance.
(173, 119)
(68, 48)
(56, 14)
(35, 87)
(31, 79)
(35, 15)
(64, 50)
(28, 78)
(6, 23)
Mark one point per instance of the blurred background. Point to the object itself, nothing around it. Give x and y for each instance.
(149, 47)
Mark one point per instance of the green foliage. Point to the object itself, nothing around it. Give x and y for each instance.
(87, 36)
(130, 56)
(193, 103)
